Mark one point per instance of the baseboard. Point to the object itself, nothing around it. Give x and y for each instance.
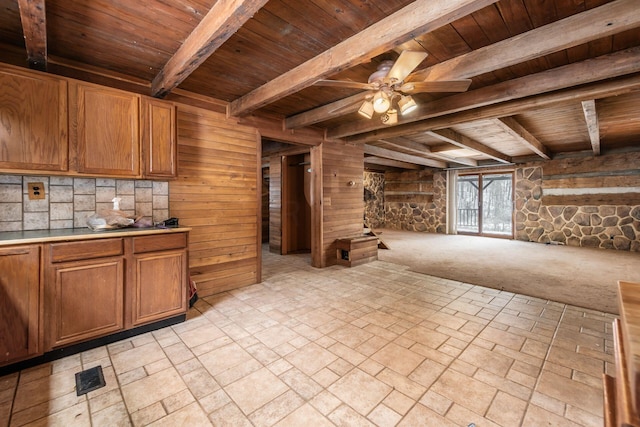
(88, 345)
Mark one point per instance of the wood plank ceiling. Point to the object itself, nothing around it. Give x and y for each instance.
(547, 77)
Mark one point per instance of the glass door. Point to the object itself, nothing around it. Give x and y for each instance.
(468, 204)
(485, 204)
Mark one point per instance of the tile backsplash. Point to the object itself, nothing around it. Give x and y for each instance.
(69, 201)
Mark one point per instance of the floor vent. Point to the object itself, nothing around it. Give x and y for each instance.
(89, 380)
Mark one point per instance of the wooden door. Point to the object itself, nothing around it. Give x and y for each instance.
(19, 303)
(33, 121)
(86, 300)
(159, 143)
(105, 130)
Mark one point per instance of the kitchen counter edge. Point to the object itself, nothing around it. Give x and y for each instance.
(8, 238)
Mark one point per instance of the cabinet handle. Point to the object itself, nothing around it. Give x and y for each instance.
(15, 252)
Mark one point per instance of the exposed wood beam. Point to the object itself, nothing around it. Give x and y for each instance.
(271, 128)
(328, 111)
(220, 23)
(34, 28)
(606, 20)
(419, 149)
(590, 25)
(419, 17)
(599, 90)
(402, 157)
(372, 160)
(80, 71)
(508, 98)
(372, 167)
(522, 135)
(285, 150)
(459, 160)
(463, 141)
(443, 148)
(591, 116)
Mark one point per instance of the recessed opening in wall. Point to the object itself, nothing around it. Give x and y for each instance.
(296, 206)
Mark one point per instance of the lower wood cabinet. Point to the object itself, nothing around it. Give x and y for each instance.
(85, 300)
(102, 286)
(57, 294)
(158, 278)
(20, 296)
(155, 295)
(84, 290)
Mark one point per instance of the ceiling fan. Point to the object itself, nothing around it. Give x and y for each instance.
(391, 89)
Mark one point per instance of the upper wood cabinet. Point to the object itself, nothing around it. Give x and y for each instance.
(105, 136)
(33, 121)
(159, 143)
(68, 127)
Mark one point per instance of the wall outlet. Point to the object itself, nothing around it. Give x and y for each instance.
(36, 190)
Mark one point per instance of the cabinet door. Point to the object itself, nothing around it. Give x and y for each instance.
(159, 143)
(160, 286)
(19, 303)
(104, 133)
(33, 121)
(85, 300)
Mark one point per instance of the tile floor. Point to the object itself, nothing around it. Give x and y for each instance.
(374, 345)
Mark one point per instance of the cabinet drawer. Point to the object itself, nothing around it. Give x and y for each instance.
(87, 249)
(159, 242)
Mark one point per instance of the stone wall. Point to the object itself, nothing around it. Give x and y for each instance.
(583, 201)
(608, 226)
(374, 199)
(423, 209)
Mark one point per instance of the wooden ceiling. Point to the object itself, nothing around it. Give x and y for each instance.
(547, 77)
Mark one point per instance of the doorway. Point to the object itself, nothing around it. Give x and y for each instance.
(296, 206)
(484, 204)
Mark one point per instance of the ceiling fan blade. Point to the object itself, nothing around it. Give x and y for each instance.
(408, 60)
(436, 86)
(344, 83)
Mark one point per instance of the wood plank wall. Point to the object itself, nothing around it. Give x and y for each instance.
(408, 187)
(275, 204)
(342, 205)
(612, 179)
(217, 194)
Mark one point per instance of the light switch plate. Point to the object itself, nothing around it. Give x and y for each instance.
(36, 190)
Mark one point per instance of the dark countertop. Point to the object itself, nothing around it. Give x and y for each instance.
(66, 234)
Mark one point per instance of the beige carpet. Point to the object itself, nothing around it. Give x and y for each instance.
(578, 276)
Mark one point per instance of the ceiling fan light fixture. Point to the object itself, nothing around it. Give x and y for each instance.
(366, 109)
(381, 102)
(390, 117)
(383, 70)
(407, 104)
